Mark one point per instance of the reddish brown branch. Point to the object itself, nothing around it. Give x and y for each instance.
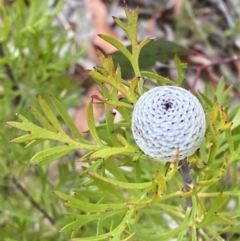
(201, 68)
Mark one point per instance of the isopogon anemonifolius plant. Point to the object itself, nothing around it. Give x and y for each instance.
(168, 121)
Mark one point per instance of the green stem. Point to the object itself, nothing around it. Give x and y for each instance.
(138, 171)
(135, 61)
(233, 193)
(193, 218)
(211, 156)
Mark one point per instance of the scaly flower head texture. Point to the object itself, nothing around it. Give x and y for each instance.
(167, 122)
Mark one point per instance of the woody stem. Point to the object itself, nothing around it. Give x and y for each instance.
(184, 170)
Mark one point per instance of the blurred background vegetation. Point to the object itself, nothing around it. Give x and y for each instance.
(45, 47)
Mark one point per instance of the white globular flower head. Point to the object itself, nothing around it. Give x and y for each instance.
(167, 122)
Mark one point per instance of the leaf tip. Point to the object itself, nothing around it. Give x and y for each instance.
(53, 192)
(151, 38)
(33, 164)
(113, 111)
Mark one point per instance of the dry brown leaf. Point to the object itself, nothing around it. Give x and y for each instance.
(99, 20)
(178, 7)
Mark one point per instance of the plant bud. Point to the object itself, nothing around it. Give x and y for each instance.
(167, 122)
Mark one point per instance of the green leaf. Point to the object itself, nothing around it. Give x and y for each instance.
(51, 154)
(34, 9)
(105, 187)
(215, 112)
(56, 9)
(163, 235)
(129, 237)
(127, 220)
(180, 69)
(114, 234)
(131, 26)
(81, 220)
(5, 26)
(161, 183)
(144, 42)
(5, 60)
(114, 82)
(205, 100)
(133, 85)
(117, 44)
(91, 124)
(37, 133)
(73, 202)
(236, 119)
(112, 166)
(158, 50)
(233, 111)
(124, 185)
(110, 114)
(67, 119)
(160, 79)
(41, 119)
(107, 64)
(110, 151)
(114, 103)
(49, 114)
(32, 144)
(216, 205)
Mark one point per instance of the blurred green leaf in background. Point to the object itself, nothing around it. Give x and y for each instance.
(36, 57)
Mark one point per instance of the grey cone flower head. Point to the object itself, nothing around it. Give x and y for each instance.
(166, 120)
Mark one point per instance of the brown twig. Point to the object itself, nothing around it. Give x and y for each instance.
(201, 68)
(9, 73)
(32, 201)
(7, 68)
